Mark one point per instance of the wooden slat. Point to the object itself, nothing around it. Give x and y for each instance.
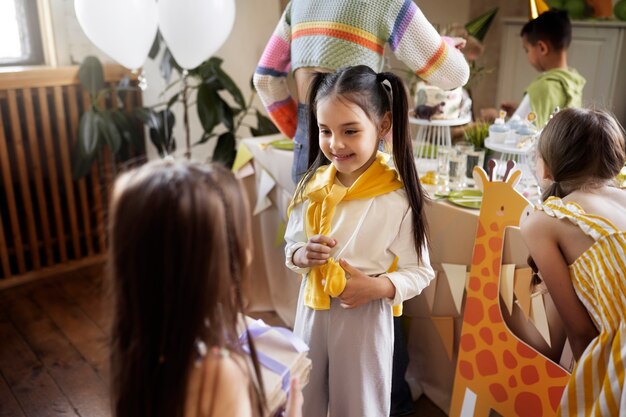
(5, 165)
(82, 187)
(36, 173)
(52, 171)
(96, 191)
(33, 77)
(87, 393)
(66, 165)
(30, 382)
(9, 406)
(4, 252)
(20, 159)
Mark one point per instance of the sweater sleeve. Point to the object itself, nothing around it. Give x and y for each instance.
(270, 78)
(416, 43)
(295, 237)
(413, 274)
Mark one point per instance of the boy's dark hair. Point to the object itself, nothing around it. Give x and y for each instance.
(553, 27)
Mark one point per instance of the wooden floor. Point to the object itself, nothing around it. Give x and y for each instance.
(53, 349)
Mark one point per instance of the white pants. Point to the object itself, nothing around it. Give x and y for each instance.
(351, 353)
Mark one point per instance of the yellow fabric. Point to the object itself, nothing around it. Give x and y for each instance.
(323, 193)
(597, 385)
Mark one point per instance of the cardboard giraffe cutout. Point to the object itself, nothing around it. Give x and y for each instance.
(495, 369)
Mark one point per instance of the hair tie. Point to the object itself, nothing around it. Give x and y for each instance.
(380, 77)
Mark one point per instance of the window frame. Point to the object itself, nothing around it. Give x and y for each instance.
(34, 30)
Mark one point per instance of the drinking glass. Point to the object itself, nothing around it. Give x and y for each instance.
(443, 167)
(458, 164)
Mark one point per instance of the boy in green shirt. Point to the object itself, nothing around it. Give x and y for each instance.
(545, 40)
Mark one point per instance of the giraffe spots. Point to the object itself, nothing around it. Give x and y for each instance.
(502, 336)
(485, 334)
(498, 392)
(485, 272)
(525, 351)
(474, 283)
(481, 230)
(554, 395)
(490, 291)
(468, 343)
(486, 363)
(512, 381)
(554, 370)
(495, 244)
(509, 360)
(494, 227)
(495, 315)
(466, 370)
(473, 311)
(528, 404)
(529, 375)
(479, 254)
(496, 266)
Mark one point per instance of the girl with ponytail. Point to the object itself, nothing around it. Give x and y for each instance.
(577, 241)
(357, 234)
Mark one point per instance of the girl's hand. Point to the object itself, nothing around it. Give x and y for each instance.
(315, 252)
(294, 401)
(361, 289)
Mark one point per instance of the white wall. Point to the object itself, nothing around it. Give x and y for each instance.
(254, 23)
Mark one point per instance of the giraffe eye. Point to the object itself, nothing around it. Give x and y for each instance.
(501, 208)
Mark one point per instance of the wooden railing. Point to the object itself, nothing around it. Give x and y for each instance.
(49, 222)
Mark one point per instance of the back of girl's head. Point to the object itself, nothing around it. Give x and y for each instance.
(552, 27)
(377, 95)
(179, 233)
(581, 147)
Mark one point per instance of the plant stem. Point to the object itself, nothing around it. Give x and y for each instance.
(186, 118)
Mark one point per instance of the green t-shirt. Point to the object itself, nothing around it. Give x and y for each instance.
(555, 87)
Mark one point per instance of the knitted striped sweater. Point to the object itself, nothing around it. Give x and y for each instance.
(333, 34)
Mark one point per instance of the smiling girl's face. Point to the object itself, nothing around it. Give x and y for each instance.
(348, 137)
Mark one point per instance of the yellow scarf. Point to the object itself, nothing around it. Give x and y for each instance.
(324, 195)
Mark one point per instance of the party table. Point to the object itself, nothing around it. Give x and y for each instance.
(433, 319)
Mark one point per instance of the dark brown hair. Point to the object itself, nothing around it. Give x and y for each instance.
(365, 88)
(552, 27)
(581, 148)
(179, 239)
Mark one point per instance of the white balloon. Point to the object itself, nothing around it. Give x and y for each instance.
(194, 29)
(123, 29)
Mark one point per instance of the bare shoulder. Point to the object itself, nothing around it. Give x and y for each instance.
(225, 387)
(534, 221)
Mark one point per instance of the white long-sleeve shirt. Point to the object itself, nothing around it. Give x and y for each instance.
(370, 233)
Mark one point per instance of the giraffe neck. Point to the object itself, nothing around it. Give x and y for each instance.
(486, 262)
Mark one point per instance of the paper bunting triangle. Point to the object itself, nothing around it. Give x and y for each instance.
(507, 279)
(445, 328)
(456, 275)
(243, 157)
(539, 318)
(429, 292)
(523, 278)
(245, 171)
(279, 240)
(266, 183)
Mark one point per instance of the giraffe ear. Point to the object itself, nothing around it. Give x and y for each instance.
(514, 177)
(480, 178)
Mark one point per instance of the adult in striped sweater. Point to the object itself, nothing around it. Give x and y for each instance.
(324, 35)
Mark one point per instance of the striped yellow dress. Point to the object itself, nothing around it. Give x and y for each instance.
(599, 278)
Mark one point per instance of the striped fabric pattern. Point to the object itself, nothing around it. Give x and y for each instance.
(599, 278)
(337, 33)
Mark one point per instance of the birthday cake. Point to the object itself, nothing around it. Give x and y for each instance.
(434, 103)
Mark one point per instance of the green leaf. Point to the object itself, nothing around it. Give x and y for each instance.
(91, 75)
(225, 149)
(209, 107)
(89, 133)
(172, 100)
(168, 64)
(230, 86)
(226, 115)
(264, 126)
(81, 165)
(205, 138)
(479, 27)
(123, 86)
(110, 132)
